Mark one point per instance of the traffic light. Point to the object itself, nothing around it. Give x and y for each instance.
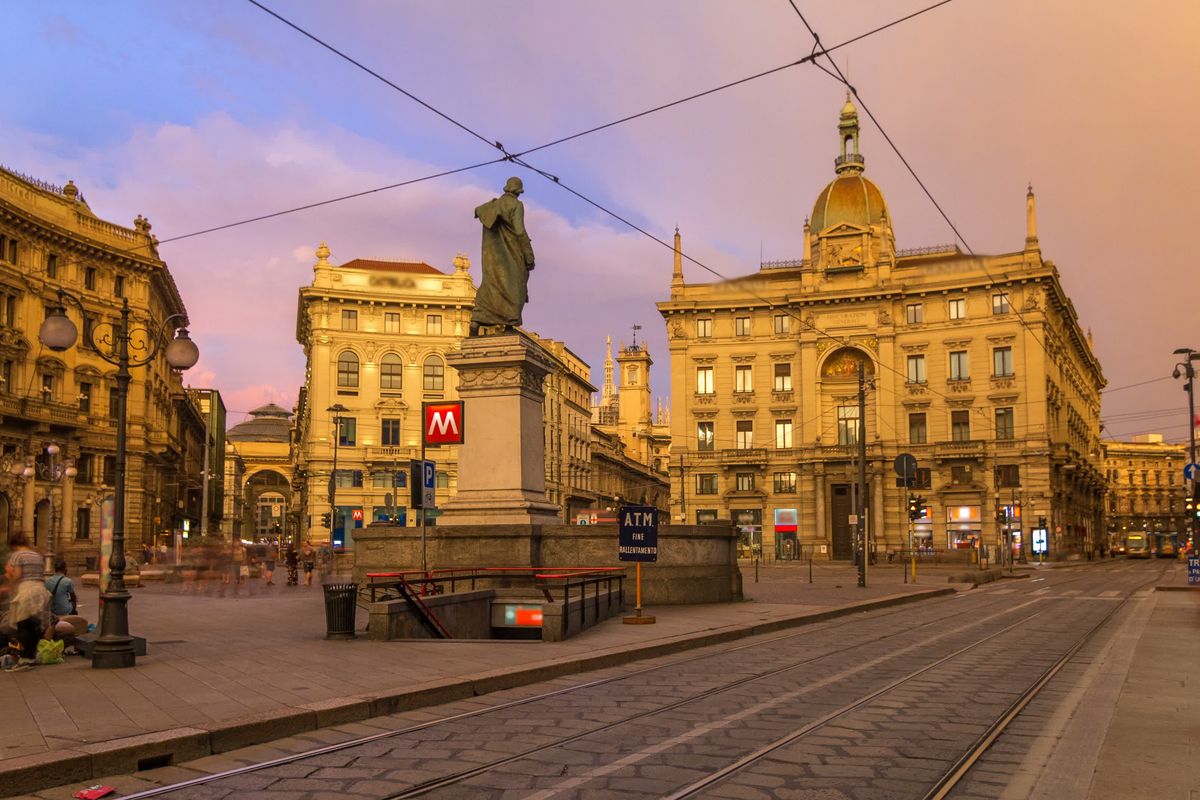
(916, 507)
(1042, 523)
(1001, 514)
(325, 520)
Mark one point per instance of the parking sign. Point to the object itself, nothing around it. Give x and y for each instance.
(423, 483)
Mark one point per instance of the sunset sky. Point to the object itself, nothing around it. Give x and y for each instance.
(201, 114)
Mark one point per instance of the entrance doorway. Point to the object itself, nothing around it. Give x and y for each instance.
(840, 511)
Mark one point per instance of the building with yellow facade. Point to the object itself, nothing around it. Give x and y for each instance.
(58, 430)
(263, 505)
(1146, 490)
(975, 365)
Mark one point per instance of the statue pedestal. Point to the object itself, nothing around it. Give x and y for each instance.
(502, 461)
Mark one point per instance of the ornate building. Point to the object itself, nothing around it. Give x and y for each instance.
(975, 365)
(567, 415)
(1146, 490)
(265, 507)
(58, 434)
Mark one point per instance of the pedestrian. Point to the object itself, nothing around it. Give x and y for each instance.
(147, 554)
(308, 557)
(63, 602)
(293, 560)
(29, 602)
(268, 570)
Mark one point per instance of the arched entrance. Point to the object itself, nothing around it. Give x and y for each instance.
(268, 507)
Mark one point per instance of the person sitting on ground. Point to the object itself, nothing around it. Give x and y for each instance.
(63, 601)
(29, 601)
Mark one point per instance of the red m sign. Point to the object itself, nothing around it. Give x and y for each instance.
(443, 423)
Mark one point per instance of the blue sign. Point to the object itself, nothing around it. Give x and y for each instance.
(637, 538)
(1193, 563)
(1189, 471)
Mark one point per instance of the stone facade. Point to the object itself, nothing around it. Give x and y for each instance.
(1146, 490)
(50, 239)
(976, 365)
(267, 507)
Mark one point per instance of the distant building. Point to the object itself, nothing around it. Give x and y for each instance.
(977, 366)
(266, 507)
(212, 484)
(50, 239)
(1146, 490)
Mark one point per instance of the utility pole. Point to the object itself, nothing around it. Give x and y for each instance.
(861, 504)
(682, 492)
(1190, 355)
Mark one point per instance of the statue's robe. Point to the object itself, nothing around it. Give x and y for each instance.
(507, 261)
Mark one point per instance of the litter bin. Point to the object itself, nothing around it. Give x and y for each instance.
(339, 610)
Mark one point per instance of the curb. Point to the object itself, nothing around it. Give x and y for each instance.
(1173, 588)
(27, 774)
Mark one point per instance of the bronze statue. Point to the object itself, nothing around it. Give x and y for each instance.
(507, 261)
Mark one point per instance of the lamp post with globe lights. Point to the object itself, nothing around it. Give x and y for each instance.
(125, 345)
(53, 471)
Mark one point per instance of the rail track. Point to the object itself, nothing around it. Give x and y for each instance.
(794, 674)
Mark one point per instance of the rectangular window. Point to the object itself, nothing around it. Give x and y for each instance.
(743, 379)
(1002, 363)
(923, 479)
(1005, 424)
(391, 322)
(349, 479)
(847, 417)
(89, 278)
(961, 475)
(785, 483)
(85, 397)
(349, 319)
(741, 326)
(960, 366)
(783, 323)
(112, 403)
(433, 375)
(347, 431)
(1008, 476)
(960, 426)
(703, 328)
(745, 481)
(119, 286)
(704, 436)
(706, 483)
(745, 434)
(52, 265)
(83, 522)
(433, 324)
(389, 432)
(6, 376)
(916, 369)
(783, 433)
(1000, 303)
(47, 388)
(917, 431)
(914, 313)
(110, 471)
(704, 380)
(958, 308)
(783, 377)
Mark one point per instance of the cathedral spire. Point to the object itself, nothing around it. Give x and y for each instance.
(677, 272)
(609, 390)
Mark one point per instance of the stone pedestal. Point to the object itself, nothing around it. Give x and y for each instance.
(502, 461)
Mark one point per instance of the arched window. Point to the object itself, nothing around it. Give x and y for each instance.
(391, 372)
(348, 370)
(434, 374)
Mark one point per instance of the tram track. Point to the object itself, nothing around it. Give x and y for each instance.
(930, 608)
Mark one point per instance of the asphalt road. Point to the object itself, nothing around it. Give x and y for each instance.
(888, 704)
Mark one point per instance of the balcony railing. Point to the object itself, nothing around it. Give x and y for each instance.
(849, 158)
(33, 407)
(746, 455)
(392, 453)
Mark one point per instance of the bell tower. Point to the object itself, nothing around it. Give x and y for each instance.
(635, 408)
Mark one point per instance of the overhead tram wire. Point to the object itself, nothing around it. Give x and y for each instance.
(507, 156)
(517, 159)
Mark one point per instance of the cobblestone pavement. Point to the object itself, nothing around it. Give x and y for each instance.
(878, 705)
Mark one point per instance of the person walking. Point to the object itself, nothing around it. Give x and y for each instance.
(268, 568)
(308, 557)
(29, 602)
(292, 559)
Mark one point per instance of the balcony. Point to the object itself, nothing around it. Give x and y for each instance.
(35, 408)
(970, 448)
(849, 158)
(748, 455)
(392, 453)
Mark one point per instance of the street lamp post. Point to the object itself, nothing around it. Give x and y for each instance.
(52, 472)
(1189, 372)
(337, 409)
(114, 647)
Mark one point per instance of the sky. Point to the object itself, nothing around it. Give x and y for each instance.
(201, 114)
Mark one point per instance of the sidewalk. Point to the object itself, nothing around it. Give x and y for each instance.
(226, 672)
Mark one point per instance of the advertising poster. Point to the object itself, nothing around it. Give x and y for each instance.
(107, 507)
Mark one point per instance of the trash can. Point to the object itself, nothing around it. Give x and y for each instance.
(339, 610)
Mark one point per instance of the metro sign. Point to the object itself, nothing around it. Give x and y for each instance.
(443, 423)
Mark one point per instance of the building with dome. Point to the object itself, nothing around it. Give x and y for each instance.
(975, 365)
(262, 505)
